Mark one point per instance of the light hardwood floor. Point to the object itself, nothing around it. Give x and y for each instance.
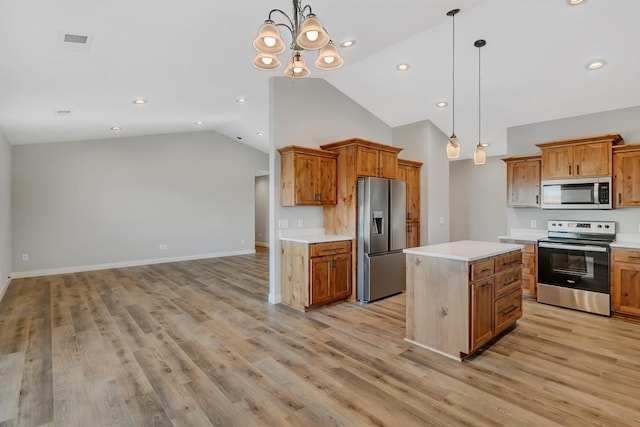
(195, 344)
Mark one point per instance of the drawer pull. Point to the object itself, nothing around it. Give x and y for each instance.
(484, 270)
(515, 261)
(485, 284)
(634, 257)
(513, 281)
(511, 310)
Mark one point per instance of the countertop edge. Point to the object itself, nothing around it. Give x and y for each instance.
(324, 238)
(507, 247)
(628, 245)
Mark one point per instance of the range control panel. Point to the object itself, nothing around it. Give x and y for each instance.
(588, 227)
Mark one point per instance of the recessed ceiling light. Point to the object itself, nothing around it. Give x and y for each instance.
(485, 144)
(348, 43)
(595, 64)
(259, 133)
(199, 123)
(139, 101)
(241, 100)
(574, 2)
(116, 128)
(402, 67)
(441, 104)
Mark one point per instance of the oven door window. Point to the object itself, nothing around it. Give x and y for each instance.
(584, 270)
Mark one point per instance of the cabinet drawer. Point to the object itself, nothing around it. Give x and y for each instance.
(330, 248)
(508, 309)
(508, 261)
(626, 255)
(507, 282)
(529, 264)
(481, 269)
(529, 248)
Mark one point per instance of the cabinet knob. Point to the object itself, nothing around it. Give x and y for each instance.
(577, 170)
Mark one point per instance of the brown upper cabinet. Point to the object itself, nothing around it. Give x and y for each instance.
(523, 181)
(409, 172)
(578, 158)
(371, 158)
(308, 176)
(626, 176)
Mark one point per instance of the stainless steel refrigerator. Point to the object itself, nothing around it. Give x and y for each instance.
(381, 238)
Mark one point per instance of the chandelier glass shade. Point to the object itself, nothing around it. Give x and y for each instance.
(307, 33)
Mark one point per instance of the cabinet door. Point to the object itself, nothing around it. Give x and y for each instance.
(341, 276)
(413, 194)
(557, 162)
(367, 161)
(413, 234)
(481, 312)
(305, 187)
(326, 184)
(319, 285)
(625, 288)
(388, 163)
(626, 179)
(523, 184)
(592, 159)
(529, 274)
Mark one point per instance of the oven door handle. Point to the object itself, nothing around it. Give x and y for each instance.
(585, 248)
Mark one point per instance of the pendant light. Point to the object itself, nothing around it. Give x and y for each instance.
(480, 155)
(453, 146)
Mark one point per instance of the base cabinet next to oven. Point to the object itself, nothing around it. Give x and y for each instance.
(625, 283)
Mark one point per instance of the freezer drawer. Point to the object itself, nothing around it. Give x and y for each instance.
(382, 275)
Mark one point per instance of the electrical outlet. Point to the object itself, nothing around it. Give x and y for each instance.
(25, 257)
(300, 223)
(533, 223)
(163, 246)
(242, 241)
(283, 223)
(638, 228)
(441, 220)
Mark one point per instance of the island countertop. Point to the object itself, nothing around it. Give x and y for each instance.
(464, 250)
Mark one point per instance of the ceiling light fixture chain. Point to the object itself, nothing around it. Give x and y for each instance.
(307, 33)
(453, 146)
(480, 155)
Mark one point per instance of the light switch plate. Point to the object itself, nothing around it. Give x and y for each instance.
(283, 223)
(533, 223)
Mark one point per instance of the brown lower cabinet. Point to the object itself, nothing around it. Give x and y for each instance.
(625, 283)
(529, 266)
(315, 273)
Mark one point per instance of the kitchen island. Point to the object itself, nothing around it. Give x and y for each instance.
(462, 294)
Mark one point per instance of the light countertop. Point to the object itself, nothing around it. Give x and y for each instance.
(464, 250)
(627, 240)
(317, 238)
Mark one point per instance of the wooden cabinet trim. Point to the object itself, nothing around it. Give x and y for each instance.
(409, 163)
(361, 142)
(307, 150)
(528, 158)
(613, 138)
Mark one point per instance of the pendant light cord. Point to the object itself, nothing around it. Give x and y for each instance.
(453, 76)
(479, 98)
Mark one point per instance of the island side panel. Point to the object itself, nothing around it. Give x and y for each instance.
(295, 274)
(438, 304)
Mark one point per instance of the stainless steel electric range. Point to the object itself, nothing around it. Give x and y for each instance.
(574, 265)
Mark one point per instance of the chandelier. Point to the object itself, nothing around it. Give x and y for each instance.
(307, 33)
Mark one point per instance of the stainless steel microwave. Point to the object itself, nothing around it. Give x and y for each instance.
(577, 193)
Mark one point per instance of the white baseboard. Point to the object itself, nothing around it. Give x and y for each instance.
(262, 244)
(78, 269)
(4, 288)
(275, 299)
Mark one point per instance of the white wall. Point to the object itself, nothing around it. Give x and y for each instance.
(478, 193)
(91, 203)
(262, 211)
(309, 112)
(5, 212)
(424, 142)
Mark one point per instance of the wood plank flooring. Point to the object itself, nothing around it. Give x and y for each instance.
(196, 344)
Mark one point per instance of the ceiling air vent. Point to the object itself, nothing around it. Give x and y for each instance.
(63, 112)
(68, 40)
(74, 38)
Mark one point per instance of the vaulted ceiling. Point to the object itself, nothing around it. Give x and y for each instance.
(191, 60)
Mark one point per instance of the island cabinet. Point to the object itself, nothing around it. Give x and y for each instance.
(462, 294)
(529, 265)
(409, 172)
(626, 176)
(625, 283)
(523, 181)
(314, 274)
(578, 158)
(308, 176)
